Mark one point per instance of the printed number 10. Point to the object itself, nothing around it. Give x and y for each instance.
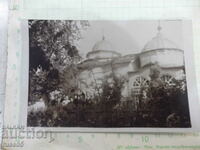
(145, 139)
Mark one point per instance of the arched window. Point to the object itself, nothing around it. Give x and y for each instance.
(140, 82)
(168, 79)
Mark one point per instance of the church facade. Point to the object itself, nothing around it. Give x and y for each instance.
(135, 68)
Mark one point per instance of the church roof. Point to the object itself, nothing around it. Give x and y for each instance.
(102, 45)
(159, 42)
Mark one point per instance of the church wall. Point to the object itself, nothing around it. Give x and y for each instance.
(121, 69)
(85, 79)
(107, 69)
(97, 73)
(101, 54)
(93, 77)
(165, 58)
(131, 71)
(134, 64)
(125, 89)
(176, 73)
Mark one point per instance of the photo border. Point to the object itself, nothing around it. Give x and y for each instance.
(194, 106)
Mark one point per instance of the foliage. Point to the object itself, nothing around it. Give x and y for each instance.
(164, 101)
(52, 54)
(81, 111)
(111, 94)
(156, 108)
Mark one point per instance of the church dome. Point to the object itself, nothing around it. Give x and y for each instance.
(162, 52)
(159, 42)
(102, 50)
(102, 45)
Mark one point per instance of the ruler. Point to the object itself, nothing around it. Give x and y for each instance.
(3, 57)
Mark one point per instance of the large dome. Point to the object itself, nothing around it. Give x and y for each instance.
(102, 50)
(159, 42)
(102, 45)
(161, 51)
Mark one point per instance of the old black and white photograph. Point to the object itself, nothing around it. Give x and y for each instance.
(107, 74)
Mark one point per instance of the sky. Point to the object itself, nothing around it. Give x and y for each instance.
(128, 37)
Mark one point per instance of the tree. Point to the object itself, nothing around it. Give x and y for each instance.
(109, 98)
(166, 102)
(52, 52)
(111, 94)
(55, 40)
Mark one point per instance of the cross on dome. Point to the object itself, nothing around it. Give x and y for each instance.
(159, 42)
(103, 44)
(103, 37)
(159, 28)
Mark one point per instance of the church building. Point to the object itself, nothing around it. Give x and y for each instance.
(103, 60)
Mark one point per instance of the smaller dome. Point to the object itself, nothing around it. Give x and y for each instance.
(159, 42)
(102, 45)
